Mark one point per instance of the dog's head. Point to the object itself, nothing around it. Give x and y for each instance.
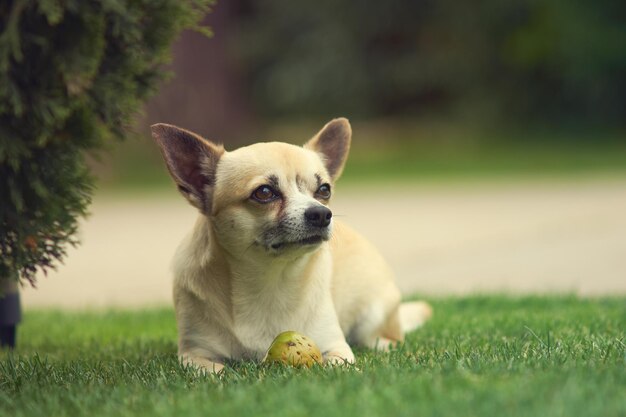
(269, 197)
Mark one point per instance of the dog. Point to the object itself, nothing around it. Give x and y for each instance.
(266, 255)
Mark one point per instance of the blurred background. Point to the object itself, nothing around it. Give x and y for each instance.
(491, 136)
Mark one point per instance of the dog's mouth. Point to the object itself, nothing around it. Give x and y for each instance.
(311, 240)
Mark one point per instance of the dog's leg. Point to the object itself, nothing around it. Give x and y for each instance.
(379, 332)
(202, 364)
(405, 318)
(378, 335)
(376, 327)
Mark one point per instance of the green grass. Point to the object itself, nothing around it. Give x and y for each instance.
(414, 152)
(479, 356)
(412, 162)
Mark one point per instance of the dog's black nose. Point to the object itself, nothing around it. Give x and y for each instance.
(318, 216)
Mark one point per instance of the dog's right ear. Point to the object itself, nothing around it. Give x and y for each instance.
(192, 162)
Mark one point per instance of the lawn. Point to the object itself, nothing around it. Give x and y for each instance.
(479, 356)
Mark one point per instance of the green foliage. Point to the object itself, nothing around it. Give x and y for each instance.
(521, 60)
(479, 356)
(73, 73)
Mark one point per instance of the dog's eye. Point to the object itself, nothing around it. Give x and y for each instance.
(264, 194)
(323, 191)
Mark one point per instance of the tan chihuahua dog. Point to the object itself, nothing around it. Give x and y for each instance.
(266, 255)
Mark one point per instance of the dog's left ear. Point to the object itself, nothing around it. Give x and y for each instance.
(332, 143)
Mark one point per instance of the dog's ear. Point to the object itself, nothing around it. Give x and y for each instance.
(332, 143)
(192, 162)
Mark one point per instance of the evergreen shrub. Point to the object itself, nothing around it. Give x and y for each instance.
(73, 74)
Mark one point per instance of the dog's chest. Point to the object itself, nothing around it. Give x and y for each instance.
(259, 316)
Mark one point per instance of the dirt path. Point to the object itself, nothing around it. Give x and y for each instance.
(441, 239)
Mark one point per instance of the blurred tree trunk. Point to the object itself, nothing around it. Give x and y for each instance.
(206, 92)
(10, 312)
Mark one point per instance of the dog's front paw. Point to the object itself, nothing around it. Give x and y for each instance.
(341, 356)
(202, 365)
